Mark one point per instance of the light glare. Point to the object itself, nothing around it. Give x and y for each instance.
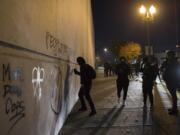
(105, 50)
(152, 10)
(142, 9)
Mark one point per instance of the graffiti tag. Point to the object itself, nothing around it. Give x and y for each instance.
(12, 89)
(55, 85)
(54, 44)
(16, 111)
(14, 106)
(37, 78)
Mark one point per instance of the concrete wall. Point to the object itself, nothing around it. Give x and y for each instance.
(39, 42)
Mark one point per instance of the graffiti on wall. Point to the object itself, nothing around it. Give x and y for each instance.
(54, 44)
(38, 75)
(56, 89)
(68, 82)
(14, 105)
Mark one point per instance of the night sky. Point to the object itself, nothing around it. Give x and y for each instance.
(120, 20)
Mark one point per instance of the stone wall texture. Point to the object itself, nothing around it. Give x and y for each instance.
(39, 43)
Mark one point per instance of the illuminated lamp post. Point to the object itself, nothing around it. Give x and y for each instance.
(147, 12)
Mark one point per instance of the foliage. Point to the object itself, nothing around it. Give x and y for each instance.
(129, 50)
(116, 46)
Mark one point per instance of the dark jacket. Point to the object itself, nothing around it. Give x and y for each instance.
(122, 71)
(171, 72)
(85, 74)
(149, 72)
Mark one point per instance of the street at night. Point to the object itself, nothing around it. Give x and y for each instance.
(89, 67)
(132, 119)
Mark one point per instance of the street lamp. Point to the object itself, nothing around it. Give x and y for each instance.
(105, 50)
(147, 12)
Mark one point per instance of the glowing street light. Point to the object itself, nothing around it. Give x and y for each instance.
(142, 9)
(147, 12)
(105, 49)
(152, 10)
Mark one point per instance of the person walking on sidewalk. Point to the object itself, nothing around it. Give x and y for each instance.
(122, 71)
(149, 70)
(87, 73)
(171, 75)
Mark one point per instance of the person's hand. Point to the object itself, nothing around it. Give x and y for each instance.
(75, 71)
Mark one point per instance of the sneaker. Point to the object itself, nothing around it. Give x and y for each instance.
(173, 112)
(82, 109)
(92, 113)
(170, 109)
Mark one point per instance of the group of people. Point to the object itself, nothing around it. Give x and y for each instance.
(109, 69)
(170, 70)
(150, 69)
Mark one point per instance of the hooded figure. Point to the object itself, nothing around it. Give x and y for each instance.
(150, 71)
(122, 71)
(86, 77)
(171, 75)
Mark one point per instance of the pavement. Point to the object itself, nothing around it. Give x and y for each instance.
(132, 119)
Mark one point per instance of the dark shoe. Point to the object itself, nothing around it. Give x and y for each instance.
(82, 109)
(170, 109)
(173, 112)
(92, 113)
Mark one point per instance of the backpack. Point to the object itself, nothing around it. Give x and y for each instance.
(92, 72)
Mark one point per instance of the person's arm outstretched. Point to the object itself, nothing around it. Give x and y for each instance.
(77, 72)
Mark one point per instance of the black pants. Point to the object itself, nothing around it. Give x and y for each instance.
(172, 91)
(147, 91)
(122, 84)
(85, 91)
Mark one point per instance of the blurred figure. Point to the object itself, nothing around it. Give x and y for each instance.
(149, 70)
(171, 75)
(87, 73)
(113, 69)
(110, 71)
(137, 65)
(131, 71)
(106, 69)
(122, 71)
(154, 62)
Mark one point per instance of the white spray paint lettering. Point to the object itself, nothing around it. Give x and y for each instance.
(37, 78)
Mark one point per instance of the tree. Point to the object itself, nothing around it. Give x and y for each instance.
(116, 46)
(129, 50)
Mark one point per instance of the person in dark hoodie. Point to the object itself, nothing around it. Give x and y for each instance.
(122, 71)
(86, 73)
(171, 75)
(150, 71)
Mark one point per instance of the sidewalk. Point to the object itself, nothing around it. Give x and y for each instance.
(114, 119)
